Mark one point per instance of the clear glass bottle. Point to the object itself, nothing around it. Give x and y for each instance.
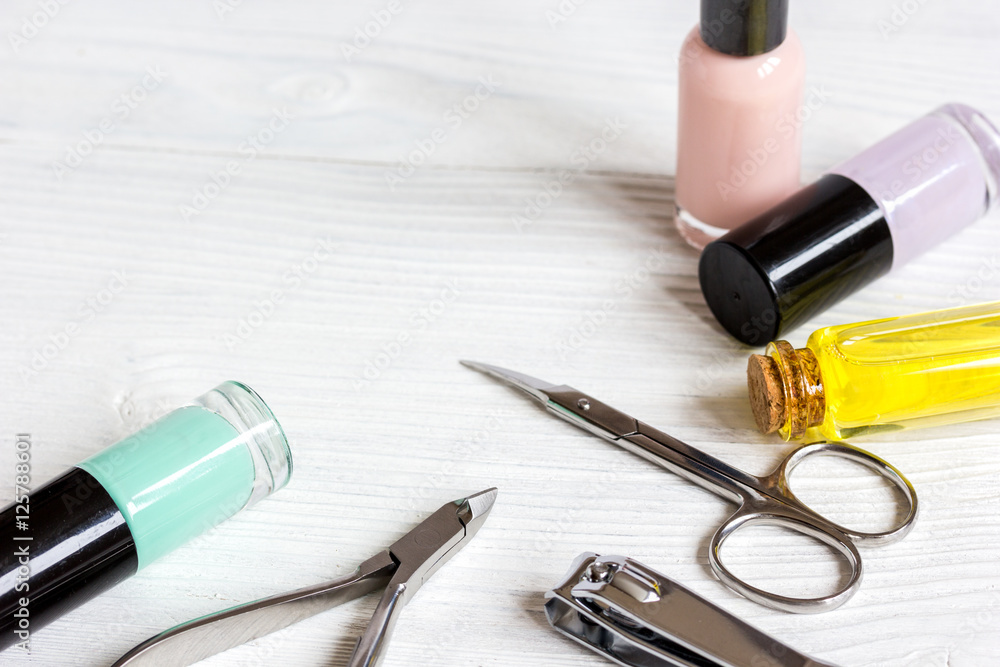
(927, 369)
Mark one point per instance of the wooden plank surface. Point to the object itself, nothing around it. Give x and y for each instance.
(595, 289)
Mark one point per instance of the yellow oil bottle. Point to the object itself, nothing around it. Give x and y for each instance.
(928, 369)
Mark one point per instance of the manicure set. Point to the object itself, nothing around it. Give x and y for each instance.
(773, 256)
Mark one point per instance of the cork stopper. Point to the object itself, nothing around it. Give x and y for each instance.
(767, 393)
(786, 390)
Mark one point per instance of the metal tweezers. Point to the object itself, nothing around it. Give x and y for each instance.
(637, 617)
(401, 570)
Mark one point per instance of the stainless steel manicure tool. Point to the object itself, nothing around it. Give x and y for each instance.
(766, 500)
(401, 570)
(638, 617)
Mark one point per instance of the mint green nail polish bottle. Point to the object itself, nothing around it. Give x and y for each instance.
(137, 500)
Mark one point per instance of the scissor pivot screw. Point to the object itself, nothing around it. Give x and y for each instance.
(583, 404)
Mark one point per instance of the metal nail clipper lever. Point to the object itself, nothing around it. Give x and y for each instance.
(638, 617)
(766, 500)
(400, 570)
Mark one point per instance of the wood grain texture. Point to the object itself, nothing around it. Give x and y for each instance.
(596, 290)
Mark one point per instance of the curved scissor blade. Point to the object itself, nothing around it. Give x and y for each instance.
(537, 389)
(576, 407)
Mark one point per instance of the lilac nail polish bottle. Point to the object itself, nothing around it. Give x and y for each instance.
(869, 214)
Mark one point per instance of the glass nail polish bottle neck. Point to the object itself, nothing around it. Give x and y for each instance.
(928, 369)
(740, 81)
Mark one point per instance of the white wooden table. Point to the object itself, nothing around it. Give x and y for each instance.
(418, 159)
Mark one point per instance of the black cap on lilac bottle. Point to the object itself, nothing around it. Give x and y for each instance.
(866, 216)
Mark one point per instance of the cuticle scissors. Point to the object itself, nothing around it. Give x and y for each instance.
(765, 500)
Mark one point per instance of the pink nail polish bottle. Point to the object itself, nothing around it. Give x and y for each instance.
(738, 142)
